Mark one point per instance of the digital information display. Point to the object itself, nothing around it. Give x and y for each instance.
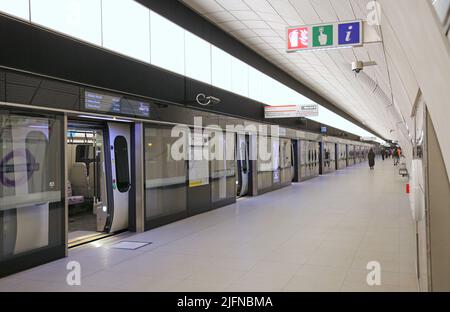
(115, 104)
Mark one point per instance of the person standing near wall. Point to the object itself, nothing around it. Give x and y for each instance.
(371, 157)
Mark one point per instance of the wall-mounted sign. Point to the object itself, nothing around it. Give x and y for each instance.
(284, 111)
(291, 111)
(324, 129)
(310, 110)
(115, 104)
(368, 139)
(325, 36)
(198, 170)
(198, 165)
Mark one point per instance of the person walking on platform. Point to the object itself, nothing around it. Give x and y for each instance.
(371, 157)
(383, 154)
(396, 155)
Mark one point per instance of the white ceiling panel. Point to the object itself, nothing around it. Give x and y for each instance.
(222, 16)
(265, 32)
(325, 10)
(233, 5)
(306, 11)
(285, 9)
(247, 15)
(232, 26)
(255, 24)
(204, 7)
(271, 17)
(260, 6)
(343, 9)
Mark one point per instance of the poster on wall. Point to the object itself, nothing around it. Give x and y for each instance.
(198, 165)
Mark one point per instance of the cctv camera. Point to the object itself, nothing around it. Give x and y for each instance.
(357, 67)
(213, 100)
(207, 100)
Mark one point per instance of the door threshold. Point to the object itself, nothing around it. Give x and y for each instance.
(88, 239)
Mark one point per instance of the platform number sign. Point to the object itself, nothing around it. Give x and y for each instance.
(324, 36)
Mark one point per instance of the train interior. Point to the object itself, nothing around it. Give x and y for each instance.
(86, 183)
(98, 181)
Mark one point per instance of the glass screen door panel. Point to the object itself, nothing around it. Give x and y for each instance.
(32, 223)
(165, 179)
(223, 172)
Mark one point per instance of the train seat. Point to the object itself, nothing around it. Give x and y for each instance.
(73, 200)
(80, 180)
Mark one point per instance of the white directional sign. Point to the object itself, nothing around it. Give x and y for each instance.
(291, 111)
(310, 110)
(284, 111)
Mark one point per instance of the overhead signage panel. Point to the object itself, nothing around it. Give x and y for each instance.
(325, 36)
(311, 110)
(115, 104)
(291, 111)
(368, 139)
(284, 111)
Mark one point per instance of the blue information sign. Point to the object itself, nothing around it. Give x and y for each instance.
(349, 33)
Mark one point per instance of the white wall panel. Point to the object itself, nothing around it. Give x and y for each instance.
(197, 58)
(126, 28)
(77, 18)
(17, 8)
(167, 44)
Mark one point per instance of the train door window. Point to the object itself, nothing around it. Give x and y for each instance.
(83, 153)
(122, 164)
(245, 157)
(287, 153)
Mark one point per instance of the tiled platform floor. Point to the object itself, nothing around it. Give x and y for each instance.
(314, 236)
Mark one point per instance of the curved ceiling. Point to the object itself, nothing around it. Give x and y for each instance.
(261, 25)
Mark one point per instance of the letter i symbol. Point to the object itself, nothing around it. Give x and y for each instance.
(349, 34)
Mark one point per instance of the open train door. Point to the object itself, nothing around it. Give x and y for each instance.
(120, 179)
(243, 164)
